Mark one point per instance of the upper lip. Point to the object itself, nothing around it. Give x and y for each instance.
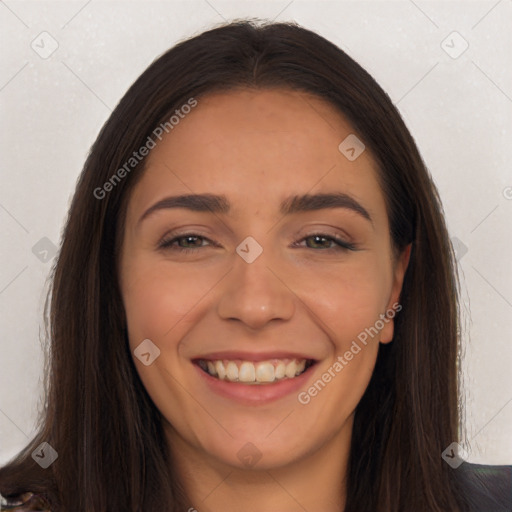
(252, 356)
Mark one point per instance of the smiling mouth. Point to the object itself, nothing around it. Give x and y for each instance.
(262, 372)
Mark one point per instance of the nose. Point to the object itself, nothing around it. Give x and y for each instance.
(256, 293)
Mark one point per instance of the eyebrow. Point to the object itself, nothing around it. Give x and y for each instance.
(293, 204)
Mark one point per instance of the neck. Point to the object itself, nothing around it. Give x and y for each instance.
(315, 481)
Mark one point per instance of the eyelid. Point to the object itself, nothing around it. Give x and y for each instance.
(340, 243)
(325, 230)
(170, 238)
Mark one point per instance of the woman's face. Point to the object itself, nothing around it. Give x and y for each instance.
(253, 284)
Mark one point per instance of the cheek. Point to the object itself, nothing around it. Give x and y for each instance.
(159, 302)
(159, 305)
(349, 309)
(348, 298)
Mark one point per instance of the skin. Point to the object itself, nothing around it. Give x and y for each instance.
(257, 147)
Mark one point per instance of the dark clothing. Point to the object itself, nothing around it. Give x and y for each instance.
(487, 488)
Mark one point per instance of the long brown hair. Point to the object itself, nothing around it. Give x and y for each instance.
(112, 453)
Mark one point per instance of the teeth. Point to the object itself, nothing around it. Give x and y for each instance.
(232, 371)
(280, 371)
(254, 373)
(246, 372)
(221, 370)
(290, 370)
(265, 372)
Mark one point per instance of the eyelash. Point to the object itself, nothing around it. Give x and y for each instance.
(341, 244)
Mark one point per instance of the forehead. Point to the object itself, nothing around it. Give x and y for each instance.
(257, 147)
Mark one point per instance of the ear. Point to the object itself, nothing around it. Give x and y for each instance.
(393, 307)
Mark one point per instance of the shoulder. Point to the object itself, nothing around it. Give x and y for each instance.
(487, 488)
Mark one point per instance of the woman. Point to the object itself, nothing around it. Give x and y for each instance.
(301, 353)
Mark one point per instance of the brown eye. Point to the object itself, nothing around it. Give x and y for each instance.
(188, 237)
(339, 244)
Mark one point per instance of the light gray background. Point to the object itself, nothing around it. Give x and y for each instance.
(459, 111)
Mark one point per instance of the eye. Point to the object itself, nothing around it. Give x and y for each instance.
(193, 238)
(339, 244)
(169, 243)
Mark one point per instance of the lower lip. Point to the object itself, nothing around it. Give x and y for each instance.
(255, 394)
